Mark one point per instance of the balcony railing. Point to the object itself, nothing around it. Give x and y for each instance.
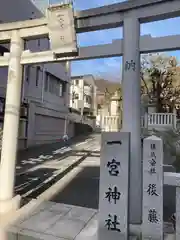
(87, 90)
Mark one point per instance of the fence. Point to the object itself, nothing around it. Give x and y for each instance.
(110, 123)
(158, 121)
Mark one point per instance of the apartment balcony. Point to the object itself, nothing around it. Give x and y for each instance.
(74, 104)
(87, 105)
(88, 90)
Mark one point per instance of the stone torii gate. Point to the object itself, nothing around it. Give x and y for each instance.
(130, 15)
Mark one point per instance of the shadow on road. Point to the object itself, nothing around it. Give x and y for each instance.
(40, 154)
(83, 190)
(31, 184)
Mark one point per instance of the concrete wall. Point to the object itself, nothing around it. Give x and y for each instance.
(82, 129)
(71, 129)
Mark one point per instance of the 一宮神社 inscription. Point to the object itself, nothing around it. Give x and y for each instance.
(114, 184)
(62, 32)
(152, 188)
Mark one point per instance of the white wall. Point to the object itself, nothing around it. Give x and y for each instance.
(114, 107)
(86, 87)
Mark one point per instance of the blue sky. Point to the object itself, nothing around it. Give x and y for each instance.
(111, 67)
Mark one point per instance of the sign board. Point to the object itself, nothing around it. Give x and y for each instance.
(62, 32)
(152, 227)
(114, 186)
(81, 104)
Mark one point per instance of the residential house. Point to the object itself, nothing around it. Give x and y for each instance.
(109, 102)
(83, 95)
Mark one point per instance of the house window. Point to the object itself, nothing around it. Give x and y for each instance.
(86, 84)
(54, 85)
(3, 50)
(77, 82)
(76, 96)
(39, 42)
(61, 90)
(88, 99)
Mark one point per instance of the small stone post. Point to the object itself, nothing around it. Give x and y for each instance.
(152, 226)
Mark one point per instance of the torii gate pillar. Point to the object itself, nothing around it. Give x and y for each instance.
(61, 30)
(131, 86)
(9, 202)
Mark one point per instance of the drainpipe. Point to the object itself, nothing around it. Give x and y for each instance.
(43, 78)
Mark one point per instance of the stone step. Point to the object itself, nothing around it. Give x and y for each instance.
(55, 221)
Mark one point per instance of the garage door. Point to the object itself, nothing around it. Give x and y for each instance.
(48, 128)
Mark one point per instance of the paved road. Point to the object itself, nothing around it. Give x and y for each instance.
(38, 154)
(83, 190)
(36, 174)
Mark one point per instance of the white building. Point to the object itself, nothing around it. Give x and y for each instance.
(45, 92)
(83, 95)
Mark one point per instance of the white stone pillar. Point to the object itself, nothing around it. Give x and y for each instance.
(153, 181)
(114, 177)
(11, 124)
(131, 111)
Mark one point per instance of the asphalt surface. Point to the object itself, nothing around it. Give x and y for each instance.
(83, 190)
(29, 157)
(33, 176)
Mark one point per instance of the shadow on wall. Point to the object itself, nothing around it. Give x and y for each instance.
(82, 129)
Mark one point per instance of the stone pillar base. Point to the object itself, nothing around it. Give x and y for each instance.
(10, 206)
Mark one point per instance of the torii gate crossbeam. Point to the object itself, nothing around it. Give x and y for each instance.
(128, 14)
